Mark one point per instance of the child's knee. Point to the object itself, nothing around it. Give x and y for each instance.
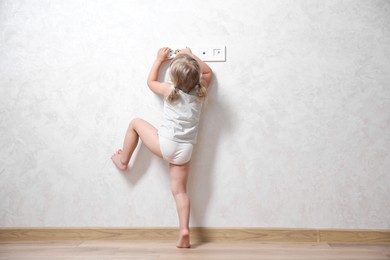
(134, 122)
(179, 194)
(178, 189)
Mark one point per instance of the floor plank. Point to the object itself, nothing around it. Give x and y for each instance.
(123, 249)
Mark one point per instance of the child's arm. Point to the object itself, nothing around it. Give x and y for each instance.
(160, 88)
(207, 73)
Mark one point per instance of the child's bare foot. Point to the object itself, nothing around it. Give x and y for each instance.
(184, 239)
(116, 159)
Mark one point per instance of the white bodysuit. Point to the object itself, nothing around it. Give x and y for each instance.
(179, 129)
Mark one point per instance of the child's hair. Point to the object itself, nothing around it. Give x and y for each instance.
(186, 75)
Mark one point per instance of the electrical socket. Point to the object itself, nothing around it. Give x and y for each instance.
(214, 53)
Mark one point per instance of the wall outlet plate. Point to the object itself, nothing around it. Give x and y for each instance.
(212, 53)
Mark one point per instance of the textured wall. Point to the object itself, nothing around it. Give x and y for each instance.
(296, 132)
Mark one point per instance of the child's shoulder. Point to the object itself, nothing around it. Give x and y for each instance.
(166, 88)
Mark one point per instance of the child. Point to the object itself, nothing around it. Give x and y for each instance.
(175, 138)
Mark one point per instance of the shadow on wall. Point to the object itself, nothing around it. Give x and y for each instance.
(140, 163)
(214, 122)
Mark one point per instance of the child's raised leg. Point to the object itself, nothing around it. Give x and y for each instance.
(138, 128)
(179, 177)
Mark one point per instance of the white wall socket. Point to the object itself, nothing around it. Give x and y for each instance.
(212, 53)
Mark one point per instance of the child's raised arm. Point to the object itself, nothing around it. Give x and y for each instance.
(160, 88)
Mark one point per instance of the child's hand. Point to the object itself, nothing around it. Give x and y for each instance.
(186, 51)
(162, 54)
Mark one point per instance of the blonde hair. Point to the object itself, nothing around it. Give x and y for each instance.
(186, 75)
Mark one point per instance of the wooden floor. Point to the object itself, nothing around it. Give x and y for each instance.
(124, 249)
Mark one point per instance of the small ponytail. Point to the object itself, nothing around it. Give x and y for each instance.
(201, 91)
(173, 96)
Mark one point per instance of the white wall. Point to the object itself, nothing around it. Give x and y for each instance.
(296, 132)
